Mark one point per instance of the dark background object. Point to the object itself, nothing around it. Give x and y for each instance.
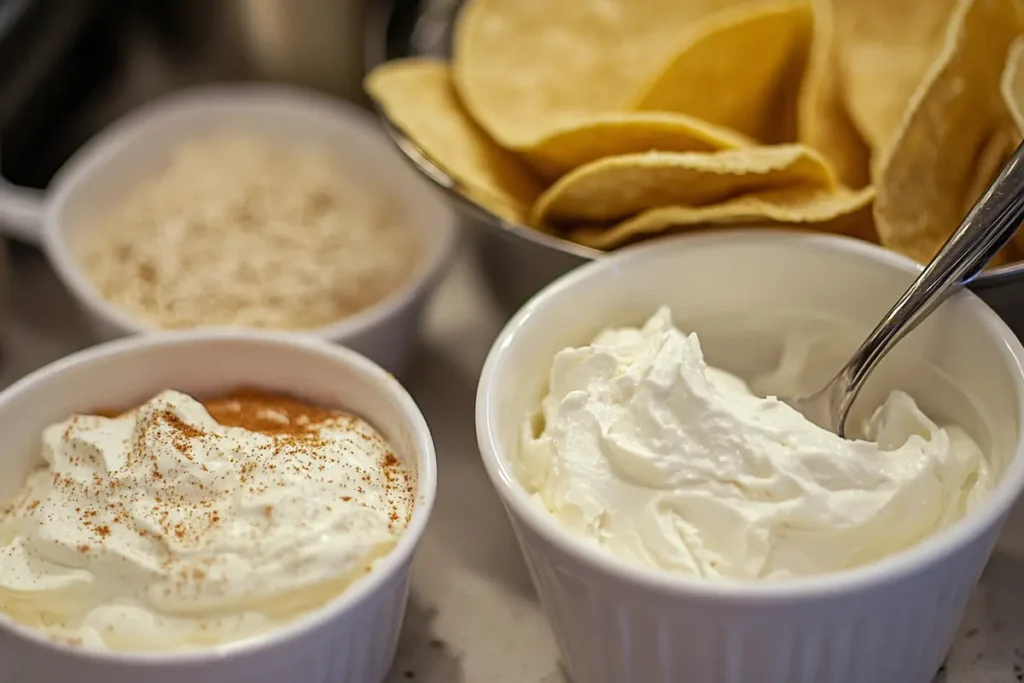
(70, 67)
(50, 59)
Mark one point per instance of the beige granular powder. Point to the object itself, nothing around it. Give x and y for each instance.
(238, 231)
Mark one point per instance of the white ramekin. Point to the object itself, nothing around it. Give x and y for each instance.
(142, 143)
(351, 638)
(889, 622)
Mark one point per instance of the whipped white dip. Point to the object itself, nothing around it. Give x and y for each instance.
(644, 450)
(162, 529)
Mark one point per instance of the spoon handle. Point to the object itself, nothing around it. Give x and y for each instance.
(987, 228)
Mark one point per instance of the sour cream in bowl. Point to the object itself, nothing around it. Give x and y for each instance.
(681, 523)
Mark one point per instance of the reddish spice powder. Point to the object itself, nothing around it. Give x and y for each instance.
(269, 413)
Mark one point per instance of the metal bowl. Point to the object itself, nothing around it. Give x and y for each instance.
(517, 262)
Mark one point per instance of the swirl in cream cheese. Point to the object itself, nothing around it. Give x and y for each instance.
(163, 529)
(663, 461)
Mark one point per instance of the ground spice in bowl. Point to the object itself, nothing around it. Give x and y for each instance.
(240, 231)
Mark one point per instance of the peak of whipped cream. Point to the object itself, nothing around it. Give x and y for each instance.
(662, 461)
(162, 529)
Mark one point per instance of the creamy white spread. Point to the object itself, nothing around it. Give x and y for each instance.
(662, 461)
(162, 529)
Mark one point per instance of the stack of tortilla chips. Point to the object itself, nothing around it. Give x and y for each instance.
(608, 121)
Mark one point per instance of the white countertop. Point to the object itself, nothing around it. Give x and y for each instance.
(473, 616)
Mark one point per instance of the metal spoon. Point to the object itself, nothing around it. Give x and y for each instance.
(987, 228)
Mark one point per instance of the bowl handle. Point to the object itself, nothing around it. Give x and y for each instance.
(21, 213)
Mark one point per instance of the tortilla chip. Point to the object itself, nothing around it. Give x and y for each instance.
(823, 120)
(417, 96)
(528, 68)
(927, 177)
(614, 188)
(732, 68)
(1012, 83)
(886, 48)
(839, 210)
(608, 135)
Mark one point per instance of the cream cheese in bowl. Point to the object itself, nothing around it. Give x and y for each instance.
(663, 461)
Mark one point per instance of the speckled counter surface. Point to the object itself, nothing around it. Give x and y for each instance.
(473, 616)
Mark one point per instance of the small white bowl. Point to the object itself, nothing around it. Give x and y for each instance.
(890, 621)
(142, 143)
(352, 637)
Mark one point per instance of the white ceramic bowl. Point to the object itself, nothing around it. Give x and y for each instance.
(143, 142)
(888, 622)
(351, 638)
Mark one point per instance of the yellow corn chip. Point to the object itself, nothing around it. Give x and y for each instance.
(837, 210)
(823, 120)
(418, 97)
(614, 188)
(608, 135)
(733, 68)
(926, 179)
(885, 49)
(528, 68)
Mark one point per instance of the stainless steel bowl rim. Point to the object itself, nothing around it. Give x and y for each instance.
(996, 277)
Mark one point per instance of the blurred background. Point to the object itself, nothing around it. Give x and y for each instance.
(70, 67)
